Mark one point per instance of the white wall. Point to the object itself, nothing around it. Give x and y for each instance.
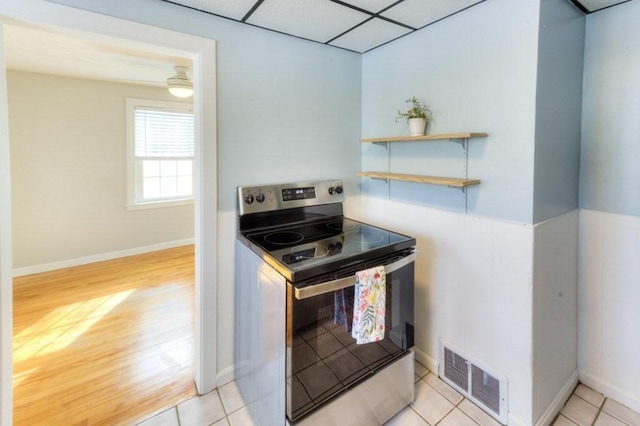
(609, 294)
(608, 305)
(69, 174)
(473, 288)
(555, 316)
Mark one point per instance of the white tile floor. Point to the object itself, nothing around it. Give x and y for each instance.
(436, 403)
(587, 407)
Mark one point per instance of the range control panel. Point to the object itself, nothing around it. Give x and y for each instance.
(256, 199)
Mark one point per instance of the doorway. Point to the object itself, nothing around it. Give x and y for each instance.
(202, 53)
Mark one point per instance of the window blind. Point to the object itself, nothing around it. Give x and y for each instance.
(163, 133)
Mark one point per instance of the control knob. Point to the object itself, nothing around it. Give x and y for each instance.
(332, 190)
(260, 198)
(248, 199)
(338, 190)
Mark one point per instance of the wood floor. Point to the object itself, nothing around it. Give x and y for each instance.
(108, 343)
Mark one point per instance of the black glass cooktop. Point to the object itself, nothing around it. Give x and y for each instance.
(308, 249)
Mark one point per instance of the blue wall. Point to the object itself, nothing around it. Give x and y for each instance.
(494, 68)
(477, 72)
(610, 152)
(558, 109)
(288, 109)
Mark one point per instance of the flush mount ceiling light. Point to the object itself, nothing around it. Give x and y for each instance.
(180, 85)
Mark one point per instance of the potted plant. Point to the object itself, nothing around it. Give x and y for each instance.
(418, 116)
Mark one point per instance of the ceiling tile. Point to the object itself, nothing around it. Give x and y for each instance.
(234, 9)
(593, 5)
(373, 6)
(319, 20)
(369, 35)
(418, 13)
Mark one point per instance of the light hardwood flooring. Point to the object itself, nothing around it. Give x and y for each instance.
(106, 343)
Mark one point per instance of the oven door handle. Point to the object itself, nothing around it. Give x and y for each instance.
(329, 286)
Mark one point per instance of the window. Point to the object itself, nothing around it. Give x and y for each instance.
(160, 150)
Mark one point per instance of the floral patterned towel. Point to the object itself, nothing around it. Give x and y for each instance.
(369, 305)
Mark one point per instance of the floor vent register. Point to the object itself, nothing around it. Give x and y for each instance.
(485, 387)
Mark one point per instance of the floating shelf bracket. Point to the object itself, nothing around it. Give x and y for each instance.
(386, 180)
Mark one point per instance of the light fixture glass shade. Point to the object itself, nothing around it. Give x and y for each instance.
(180, 85)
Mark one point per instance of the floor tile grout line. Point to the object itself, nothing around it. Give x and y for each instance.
(418, 414)
(593, 405)
(599, 410)
(568, 419)
(464, 412)
(610, 414)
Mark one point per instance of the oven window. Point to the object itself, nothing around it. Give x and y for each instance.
(325, 358)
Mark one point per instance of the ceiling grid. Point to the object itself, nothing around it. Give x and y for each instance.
(353, 25)
(356, 25)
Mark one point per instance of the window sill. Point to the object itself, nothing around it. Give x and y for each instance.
(159, 204)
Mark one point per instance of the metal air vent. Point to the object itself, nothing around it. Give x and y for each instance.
(487, 388)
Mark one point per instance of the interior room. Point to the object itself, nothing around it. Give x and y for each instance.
(527, 270)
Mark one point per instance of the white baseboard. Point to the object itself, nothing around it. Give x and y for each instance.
(426, 360)
(515, 421)
(610, 391)
(225, 376)
(558, 402)
(28, 270)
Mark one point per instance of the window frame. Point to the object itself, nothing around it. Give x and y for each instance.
(134, 180)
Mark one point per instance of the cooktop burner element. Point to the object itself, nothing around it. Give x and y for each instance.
(367, 236)
(340, 225)
(284, 237)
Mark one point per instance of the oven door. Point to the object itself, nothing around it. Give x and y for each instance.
(323, 358)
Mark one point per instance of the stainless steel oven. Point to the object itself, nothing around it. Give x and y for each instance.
(298, 231)
(323, 359)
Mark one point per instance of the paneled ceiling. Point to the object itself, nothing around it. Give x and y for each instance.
(356, 25)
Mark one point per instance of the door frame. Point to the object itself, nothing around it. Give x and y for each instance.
(202, 51)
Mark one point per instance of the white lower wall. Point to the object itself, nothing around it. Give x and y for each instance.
(609, 305)
(555, 317)
(473, 288)
(502, 292)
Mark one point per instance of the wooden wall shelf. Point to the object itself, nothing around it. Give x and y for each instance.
(442, 136)
(462, 138)
(433, 180)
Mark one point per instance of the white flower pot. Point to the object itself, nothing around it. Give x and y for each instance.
(417, 126)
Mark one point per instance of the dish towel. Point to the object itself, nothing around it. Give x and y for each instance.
(369, 305)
